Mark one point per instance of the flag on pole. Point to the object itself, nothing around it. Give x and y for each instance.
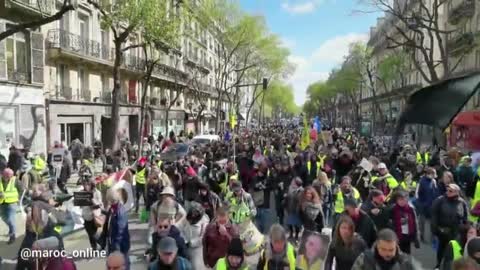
(233, 120)
(317, 124)
(305, 134)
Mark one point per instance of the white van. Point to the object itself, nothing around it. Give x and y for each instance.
(204, 139)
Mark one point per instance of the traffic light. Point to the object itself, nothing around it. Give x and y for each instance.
(265, 83)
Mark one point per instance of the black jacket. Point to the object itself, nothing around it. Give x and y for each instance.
(344, 256)
(457, 212)
(175, 234)
(382, 220)
(365, 227)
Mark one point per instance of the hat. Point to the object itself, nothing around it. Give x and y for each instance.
(168, 191)
(351, 202)
(381, 166)
(142, 161)
(235, 248)
(236, 186)
(167, 245)
(191, 172)
(203, 185)
(454, 187)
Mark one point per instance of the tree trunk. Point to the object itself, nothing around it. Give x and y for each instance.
(166, 120)
(143, 105)
(217, 126)
(115, 117)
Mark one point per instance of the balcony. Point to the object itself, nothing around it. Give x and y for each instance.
(107, 96)
(155, 102)
(75, 46)
(18, 76)
(207, 64)
(464, 10)
(85, 95)
(62, 93)
(31, 8)
(462, 43)
(134, 63)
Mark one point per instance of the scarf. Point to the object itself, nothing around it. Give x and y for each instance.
(398, 213)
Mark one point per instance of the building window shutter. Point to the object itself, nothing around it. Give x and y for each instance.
(37, 45)
(3, 59)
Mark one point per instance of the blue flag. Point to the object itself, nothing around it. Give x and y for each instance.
(317, 124)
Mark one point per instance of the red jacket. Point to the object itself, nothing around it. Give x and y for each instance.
(215, 245)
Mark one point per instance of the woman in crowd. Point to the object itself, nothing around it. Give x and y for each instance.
(324, 189)
(405, 224)
(293, 207)
(313, 255)
(345, 247)
(311, 210)
(92, 215)
(447, 179)
(193, 231)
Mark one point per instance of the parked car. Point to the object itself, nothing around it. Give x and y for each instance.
(175, 152)
(204, 139)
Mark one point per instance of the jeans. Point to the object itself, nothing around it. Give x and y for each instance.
(424, 222)
(279, 207)
(8, 212)
(262, 218)
(326, 215)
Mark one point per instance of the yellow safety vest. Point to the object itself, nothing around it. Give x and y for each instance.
(10, 193)
(224, 186)
(322, 160)
(290, 258)
(404, 185)
(39, 164)
(222, 265)
(473, 202)
(309, 166)
(140, 176)
(457, 249)
(423, 160)
(339, 205)
(238, 211)
(391, 182)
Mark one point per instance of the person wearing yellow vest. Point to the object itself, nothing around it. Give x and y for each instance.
(423, 157)
(241, 206)
(278, 252)
(141, 176)
(235, 259)
(409, 185)
(455, 248)
(385, 181)
(10, 191)
(346, 191)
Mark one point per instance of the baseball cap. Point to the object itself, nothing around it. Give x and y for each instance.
(167, 245)
(381, 166)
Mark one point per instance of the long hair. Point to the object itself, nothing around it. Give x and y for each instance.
(315, 197)
(337, 238)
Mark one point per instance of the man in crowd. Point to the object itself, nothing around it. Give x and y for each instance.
(385, 255)
(10, 191)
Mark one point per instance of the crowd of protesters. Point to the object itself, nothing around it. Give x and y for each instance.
(260, 199)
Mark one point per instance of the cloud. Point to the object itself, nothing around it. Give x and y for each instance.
(300, 8)
(317, 66)
(334, 50)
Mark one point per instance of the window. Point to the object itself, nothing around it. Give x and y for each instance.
(17, 57)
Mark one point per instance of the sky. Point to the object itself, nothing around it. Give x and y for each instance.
(317, 32)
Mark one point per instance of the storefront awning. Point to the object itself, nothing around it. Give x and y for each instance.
(470, 118)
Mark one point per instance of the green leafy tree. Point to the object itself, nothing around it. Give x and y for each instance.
(158, 21)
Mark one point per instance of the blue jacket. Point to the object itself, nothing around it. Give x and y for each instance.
(182, 264)
(427, 193)
(118, 235)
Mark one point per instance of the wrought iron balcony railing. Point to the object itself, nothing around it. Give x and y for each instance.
(464, 10)
(61, 39)
(18, 76)
(62, 93)
(34, 7)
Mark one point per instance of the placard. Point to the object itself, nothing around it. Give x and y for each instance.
(82, 198)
